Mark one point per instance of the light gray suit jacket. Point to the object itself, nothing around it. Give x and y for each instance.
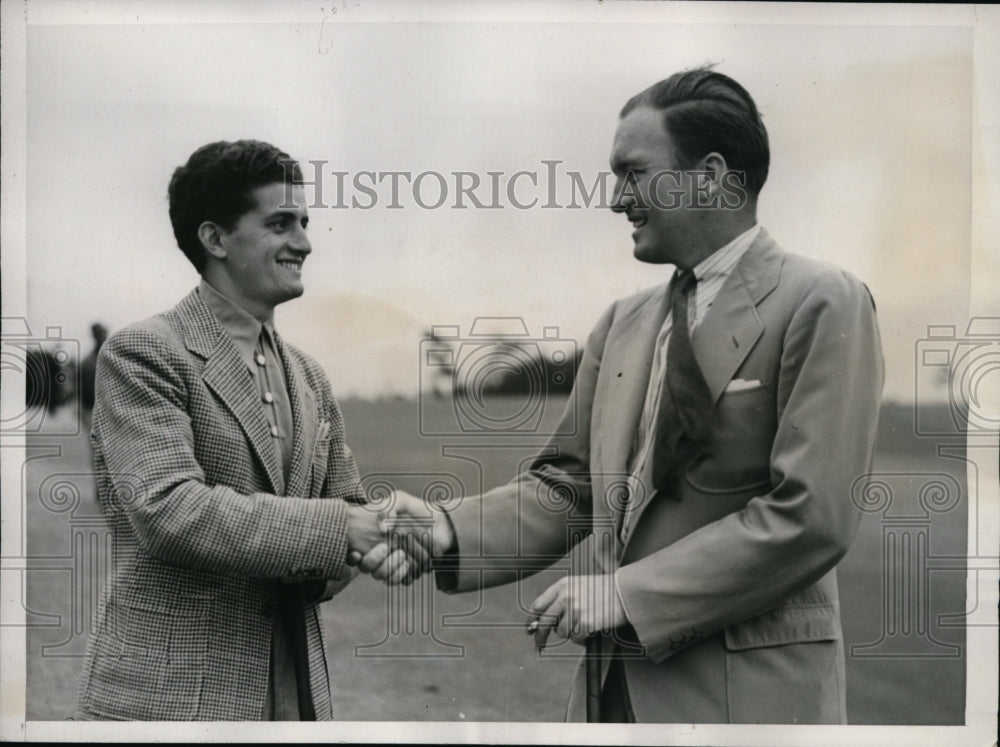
(729, 585)
(204, 529)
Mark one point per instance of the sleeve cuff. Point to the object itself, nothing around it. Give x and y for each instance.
(446, 566)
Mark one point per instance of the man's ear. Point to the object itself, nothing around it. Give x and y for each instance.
(712, 167)
(210, 235)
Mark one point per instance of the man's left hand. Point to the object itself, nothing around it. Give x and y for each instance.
(576, 607)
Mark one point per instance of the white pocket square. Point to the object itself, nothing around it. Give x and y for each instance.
(741, 385)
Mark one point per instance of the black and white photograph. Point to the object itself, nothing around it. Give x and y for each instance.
(508, 373)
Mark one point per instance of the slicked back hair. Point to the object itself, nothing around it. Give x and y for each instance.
(704, 112)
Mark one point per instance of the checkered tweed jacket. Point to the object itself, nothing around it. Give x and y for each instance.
(204, 528)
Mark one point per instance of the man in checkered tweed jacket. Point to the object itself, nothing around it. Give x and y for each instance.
(223, 471)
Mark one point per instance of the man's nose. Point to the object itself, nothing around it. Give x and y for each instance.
(300, 241)
(620, 201)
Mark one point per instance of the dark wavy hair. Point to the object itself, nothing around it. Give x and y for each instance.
(706, 111)
(217, 184)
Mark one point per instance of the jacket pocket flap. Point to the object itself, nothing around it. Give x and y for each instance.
(787, 624)
(167, 604)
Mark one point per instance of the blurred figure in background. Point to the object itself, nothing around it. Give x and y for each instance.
(88, 370)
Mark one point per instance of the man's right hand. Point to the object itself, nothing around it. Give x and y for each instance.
(415, 533)
(369, 536)
(365, 528)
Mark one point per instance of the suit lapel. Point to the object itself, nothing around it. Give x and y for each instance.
(721, 342)
(732, 326)
(227, 375)
(306, 422)
(629, 359)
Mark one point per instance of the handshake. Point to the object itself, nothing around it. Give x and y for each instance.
(397, 545)
(400, 544)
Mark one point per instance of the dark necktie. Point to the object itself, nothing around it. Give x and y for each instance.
(683, 422)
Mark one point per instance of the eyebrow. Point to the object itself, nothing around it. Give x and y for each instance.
(280, 213)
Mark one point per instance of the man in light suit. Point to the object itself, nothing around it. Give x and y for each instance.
(223, 471)
(741, 401)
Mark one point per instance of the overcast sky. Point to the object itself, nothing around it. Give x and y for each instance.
(870, 131)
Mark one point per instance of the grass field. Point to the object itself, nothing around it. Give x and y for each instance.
(475, 663)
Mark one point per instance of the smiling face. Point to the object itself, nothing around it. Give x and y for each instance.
(652, 190)
(258, 263)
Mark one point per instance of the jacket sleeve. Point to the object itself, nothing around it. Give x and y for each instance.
(828, 395)
(527, 519)
(342, 482)
(144, 432)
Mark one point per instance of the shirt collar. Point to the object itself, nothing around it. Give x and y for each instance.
(722, 260)
(242, 326)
